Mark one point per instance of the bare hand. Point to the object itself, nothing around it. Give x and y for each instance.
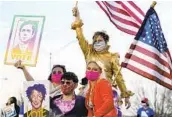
(19, 65)
(127, 103)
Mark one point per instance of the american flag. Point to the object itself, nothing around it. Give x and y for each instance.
(148, 54)
(125, 15)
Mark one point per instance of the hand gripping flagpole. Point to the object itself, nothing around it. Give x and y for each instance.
(119, 70)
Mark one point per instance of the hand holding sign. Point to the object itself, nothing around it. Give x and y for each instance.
(19, 65)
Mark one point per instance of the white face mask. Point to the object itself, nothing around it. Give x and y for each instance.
(99, 46)
(144, 105)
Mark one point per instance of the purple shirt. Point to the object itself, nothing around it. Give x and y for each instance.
(65, 106)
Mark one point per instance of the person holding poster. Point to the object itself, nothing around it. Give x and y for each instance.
(54, 77)
(99, 51)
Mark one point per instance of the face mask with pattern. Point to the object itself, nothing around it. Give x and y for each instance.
(99, 46)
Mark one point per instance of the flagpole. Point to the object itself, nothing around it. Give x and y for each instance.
(153, 4)
(76, 4)
(76, 13)
(116, 75)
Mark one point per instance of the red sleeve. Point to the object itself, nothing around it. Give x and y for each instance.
(105, 90)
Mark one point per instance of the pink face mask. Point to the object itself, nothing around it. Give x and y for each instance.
(56, 78)
(92, 75)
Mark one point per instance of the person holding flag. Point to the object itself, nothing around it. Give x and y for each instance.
(99, 51)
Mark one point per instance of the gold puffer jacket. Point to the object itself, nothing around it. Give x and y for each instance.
(109, 60)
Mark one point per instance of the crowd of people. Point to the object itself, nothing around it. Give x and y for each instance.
(98, 95)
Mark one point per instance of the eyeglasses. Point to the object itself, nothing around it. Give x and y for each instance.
(56, 72)
(66, 82)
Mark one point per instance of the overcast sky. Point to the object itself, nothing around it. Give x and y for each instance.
(60, 40)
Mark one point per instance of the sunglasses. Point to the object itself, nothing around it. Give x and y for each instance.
(56, 72)
(66, 82)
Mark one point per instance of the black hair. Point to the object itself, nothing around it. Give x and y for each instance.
(12, 100)
(84, 81)
(70, 76)
(34, 25)
(102, 34)
(55, 66)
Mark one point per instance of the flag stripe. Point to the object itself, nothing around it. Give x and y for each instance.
(147, 58)
(148, 64)
(117, 8)
(124, 20)
(150, 56)
(126, 17)
(131, 32)
(168, 56)
(130, 11)
(147, 75)
(121, 19)
(145, 68)
(151, 50)
(119, 23)
(136, 7)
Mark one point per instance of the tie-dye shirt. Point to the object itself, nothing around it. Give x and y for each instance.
(65, 106)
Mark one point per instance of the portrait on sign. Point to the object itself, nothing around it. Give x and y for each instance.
(36, 99)
(24, 40)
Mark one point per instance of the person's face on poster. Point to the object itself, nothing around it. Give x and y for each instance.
(36, 99)
(26, 33)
